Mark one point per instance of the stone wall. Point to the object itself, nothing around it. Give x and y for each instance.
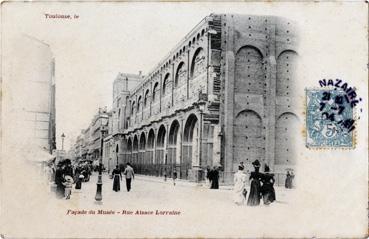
(260, 54)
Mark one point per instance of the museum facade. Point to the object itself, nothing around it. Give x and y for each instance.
(223, 95)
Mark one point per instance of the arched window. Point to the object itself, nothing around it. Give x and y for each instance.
(133, 108)
(155, 92)
(180, 75)
(198, 63)
(139, 104)
(166, 84)
(146, 98)
(119, 119)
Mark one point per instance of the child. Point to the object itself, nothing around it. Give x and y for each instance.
(68, 186)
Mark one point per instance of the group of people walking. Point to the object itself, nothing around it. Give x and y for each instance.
(117, 177)
(64, 179)
(261, 186)
(65, 175)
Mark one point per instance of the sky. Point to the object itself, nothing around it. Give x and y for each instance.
(108, 38)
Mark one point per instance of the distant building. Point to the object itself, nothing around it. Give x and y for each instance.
(78, 147)
(90, 142)
(123, 83)
(85, 142)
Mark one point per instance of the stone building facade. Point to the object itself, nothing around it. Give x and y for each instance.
(89, 143)
(33, 85)
(122, 85)
(223, 95)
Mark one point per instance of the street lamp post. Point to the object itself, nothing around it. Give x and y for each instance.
(62, 137)
(98, 196)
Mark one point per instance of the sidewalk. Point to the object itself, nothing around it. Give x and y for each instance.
(179, 182)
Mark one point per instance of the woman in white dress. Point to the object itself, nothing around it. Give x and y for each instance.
(239, 189)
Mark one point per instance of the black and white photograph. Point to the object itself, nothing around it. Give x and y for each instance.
(184, 119)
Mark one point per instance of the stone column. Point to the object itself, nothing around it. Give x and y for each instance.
(154, 152)
(181, 129)
(270, 101)
(188, 74)
(142, 103)
(173, 79)
(229, 64)
(150, 96)
(196, 169)
(160, 91)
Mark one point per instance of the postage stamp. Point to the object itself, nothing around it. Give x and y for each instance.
(329, 119)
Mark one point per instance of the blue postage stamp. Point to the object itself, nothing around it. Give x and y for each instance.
(329, 119)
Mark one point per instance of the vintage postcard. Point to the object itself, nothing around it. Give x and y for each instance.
(184, 119)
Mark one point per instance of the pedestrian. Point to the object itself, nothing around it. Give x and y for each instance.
(68, 169)
(239, 188)
(79, 181)
(165, 174)
(79, 177)
(207, 172)
(77, 171)
(288, 180)
(68, 186)
(214, 178)
(255, 177)
(129, 173)
(291, 179)
(267, 189)
(59, 180)
(117, 177)
(49, 172)
(174, 177)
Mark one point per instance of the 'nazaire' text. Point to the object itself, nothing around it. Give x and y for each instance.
(350, 95)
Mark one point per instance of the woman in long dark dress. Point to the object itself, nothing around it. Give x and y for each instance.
(267, 189)
(214, 175)
(292, 176)
(288, 179)
(255, 193)
(59, 180)
(79, 178)
(117, 176)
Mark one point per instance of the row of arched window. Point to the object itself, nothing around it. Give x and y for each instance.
(183, 49)
(198, 65)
